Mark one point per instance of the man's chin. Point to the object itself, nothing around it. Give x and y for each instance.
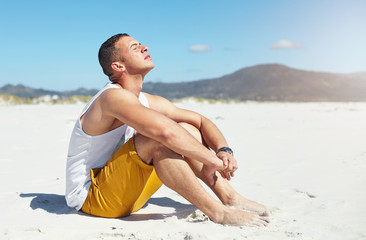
(152, 66)
(149, 69)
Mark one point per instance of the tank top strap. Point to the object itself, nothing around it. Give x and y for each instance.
(143, 100)
(107, 86)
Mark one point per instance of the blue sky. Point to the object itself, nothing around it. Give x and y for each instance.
(54, 44)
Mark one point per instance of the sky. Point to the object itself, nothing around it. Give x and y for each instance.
(54, 44)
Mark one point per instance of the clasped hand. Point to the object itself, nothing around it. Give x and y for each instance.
(226, 167)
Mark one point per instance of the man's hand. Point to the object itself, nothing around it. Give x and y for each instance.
(210, 171)
(230, 163)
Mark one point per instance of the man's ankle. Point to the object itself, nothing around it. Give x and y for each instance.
(218, 216)
(231, 200)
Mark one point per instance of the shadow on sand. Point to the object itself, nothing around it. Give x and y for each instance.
(182, 210)
(51, 203)
(56, 204)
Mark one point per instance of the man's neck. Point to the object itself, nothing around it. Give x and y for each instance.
(131, 83)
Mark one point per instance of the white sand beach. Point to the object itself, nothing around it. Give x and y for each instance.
(308, 159)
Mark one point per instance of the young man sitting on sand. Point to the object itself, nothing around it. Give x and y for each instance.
(126, 143)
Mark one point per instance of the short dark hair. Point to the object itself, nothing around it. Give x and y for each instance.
(108, 53)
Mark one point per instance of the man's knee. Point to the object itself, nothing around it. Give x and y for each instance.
(192, 130)
(149, 149)
(145, 147)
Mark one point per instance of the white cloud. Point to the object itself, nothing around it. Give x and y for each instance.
(200, 48)
(286, 44)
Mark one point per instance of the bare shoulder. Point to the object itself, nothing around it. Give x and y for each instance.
(102, 116)
(115, 95)
(154, 98)
(164, 106)
(116, 101)
(159, 103)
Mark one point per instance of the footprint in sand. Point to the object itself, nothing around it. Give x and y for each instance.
(306, 193)
(197, 216)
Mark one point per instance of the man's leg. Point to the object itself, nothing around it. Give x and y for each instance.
(176, 174)
(222, 188)
(122, 186)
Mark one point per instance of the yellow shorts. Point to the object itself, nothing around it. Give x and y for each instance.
(122, 186)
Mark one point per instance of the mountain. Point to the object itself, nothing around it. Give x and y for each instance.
(269, 82)
(79, 91)
(27, 92)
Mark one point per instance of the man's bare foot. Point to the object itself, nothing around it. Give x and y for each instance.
(235, 217)
(241, 203)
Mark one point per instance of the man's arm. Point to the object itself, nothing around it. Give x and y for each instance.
(125, 106)
(210, 133)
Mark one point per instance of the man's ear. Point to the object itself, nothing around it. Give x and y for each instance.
(118, 67)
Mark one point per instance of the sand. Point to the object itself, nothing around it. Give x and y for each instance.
(308, 159)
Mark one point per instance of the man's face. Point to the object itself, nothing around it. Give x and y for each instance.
(137, 60)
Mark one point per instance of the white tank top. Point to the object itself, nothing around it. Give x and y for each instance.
(87, 152)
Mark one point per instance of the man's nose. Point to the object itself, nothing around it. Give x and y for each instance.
(144, 48)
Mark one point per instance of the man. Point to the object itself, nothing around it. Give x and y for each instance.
(126, 143)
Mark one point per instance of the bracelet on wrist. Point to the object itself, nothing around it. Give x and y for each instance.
(225, 149)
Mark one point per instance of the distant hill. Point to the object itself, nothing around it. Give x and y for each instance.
(27, 92)
(269, 82)
(24, 92)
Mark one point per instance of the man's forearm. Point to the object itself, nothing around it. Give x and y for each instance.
(212, 135)
(216, 140)
(175, 137)
(182, 142)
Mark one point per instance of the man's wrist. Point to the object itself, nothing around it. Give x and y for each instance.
(225, 149)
